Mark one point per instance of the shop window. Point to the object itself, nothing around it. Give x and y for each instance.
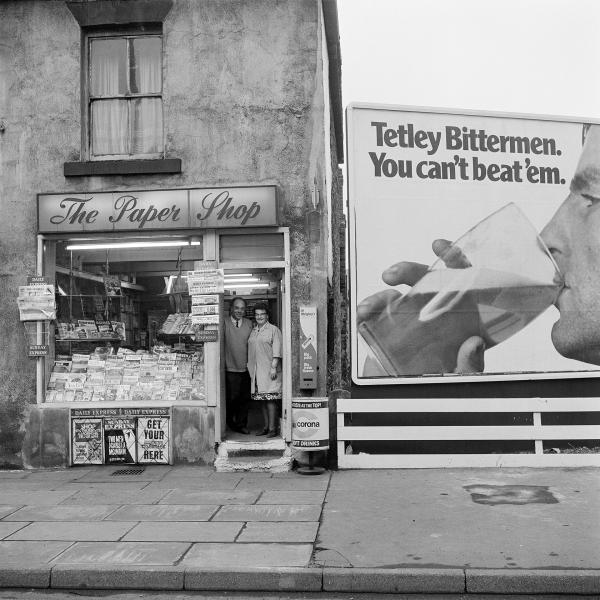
(124, 330)
(125, 111)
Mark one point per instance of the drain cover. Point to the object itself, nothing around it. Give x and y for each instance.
(135, 471)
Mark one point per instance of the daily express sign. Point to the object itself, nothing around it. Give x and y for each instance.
(199, 208)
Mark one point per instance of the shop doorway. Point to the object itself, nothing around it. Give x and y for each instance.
(255, 286)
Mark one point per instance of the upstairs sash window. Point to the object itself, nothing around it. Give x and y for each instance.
(125, 96)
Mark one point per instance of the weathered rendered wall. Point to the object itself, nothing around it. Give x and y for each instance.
(243, 104)
(39, 46)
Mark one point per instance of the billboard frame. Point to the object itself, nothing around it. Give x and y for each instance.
(352, 251)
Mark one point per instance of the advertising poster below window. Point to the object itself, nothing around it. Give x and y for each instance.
(472, 246)
(87, 446)
(153, 440)
(119, 440)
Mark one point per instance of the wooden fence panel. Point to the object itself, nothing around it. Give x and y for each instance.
(536, 432)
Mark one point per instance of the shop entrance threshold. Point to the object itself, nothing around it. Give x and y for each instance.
(241, 452)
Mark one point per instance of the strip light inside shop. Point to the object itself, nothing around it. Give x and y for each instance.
(116, 245)
(243, 280)
(232, 286)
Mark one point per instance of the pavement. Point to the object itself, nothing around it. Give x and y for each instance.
(450, 531)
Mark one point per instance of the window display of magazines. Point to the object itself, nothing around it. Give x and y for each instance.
(177, 324)
(128, 376)
(89, 329)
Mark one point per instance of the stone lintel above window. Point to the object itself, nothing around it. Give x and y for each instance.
(119, 12)
(123, 167)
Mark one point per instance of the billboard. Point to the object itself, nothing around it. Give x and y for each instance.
(472, 246)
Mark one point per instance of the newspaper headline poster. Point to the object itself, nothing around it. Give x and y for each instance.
(87, 442)
(119, 440)
(153, 440)
(497, 304)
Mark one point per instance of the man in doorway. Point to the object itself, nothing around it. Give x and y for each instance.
(237, 379)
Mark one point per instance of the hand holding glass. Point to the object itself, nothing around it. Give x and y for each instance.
(488, 285)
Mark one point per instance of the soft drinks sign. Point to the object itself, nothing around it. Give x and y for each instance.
(460, 228)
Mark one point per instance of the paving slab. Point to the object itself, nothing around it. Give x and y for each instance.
(7, 529)
(28, 485)
(269, 512)
(73, 531)
(317, 482)
(7, 510)
(198, 483)
(58, 474)
(269, 579)
(41, 497)
(121, 577)
(62, 512)
(24, 553)
(184, 532)
(189, 471)
(210, 497)
(465, 518)
(238, 556)
(289, 497)
(123, 553)
(227, 477)
(255, 477)
(90, 486)
(113, 496)
(279, 532)
(150, 473)
(13, 474)
(164, 512)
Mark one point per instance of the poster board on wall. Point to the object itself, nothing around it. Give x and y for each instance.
(120, 435)
(87, 442)
(418, 175)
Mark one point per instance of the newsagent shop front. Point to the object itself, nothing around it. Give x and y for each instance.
(126, 312)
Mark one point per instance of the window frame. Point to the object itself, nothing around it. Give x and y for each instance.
(128, 34)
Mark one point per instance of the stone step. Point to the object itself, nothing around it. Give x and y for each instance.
(271, 455)
(228, 447)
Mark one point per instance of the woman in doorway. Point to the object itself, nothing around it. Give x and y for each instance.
(264, 366)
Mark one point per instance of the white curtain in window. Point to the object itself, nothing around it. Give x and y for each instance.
(147, 126)
(108, 67)
(146, 66)
(109, 127)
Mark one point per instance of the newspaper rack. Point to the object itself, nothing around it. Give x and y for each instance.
(37, 308)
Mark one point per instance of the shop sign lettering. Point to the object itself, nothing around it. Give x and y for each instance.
(158, 209)
(233, 207)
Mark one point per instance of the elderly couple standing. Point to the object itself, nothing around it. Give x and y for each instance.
(252, 367)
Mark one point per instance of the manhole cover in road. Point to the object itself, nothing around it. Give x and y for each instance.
(511, 494)
(137, 471)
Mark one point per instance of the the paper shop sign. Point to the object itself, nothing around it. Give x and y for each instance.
(201, 208)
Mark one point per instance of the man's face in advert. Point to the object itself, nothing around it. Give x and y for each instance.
(573, 237)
